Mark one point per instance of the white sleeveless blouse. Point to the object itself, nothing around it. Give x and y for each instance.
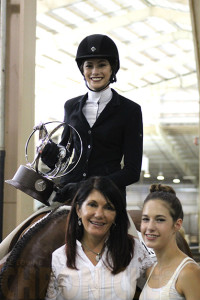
(167, 292)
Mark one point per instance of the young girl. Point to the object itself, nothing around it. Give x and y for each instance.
(174, 276)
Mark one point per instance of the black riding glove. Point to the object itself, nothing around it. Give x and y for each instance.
(67, 193)
(49, 155)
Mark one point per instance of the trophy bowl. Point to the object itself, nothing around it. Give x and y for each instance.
(35, 178)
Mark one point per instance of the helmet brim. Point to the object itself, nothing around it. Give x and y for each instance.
(110, 58)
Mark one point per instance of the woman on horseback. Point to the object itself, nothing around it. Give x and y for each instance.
(110, 125)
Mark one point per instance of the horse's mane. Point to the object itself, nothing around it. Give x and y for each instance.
(33, 250)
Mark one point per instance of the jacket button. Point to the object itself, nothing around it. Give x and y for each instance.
(84, 174)
(89, 131)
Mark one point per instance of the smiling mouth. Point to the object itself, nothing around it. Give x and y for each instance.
(151, 236)
(97, 223)
(96, 79)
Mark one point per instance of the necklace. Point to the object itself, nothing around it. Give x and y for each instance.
(98, 254)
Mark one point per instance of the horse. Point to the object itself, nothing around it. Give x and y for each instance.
(26, 272)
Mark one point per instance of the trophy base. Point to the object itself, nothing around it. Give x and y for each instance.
(33, 184)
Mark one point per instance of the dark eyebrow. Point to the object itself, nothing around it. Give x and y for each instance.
(157, 216)
(92, 200)
(102, 60)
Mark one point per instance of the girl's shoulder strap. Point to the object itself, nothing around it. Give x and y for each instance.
(187, 260)
(152, 269)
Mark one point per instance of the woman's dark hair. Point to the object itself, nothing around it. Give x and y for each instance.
(120, 245)
(168, 195)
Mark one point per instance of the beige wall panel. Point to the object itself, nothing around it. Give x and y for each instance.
(19, 121)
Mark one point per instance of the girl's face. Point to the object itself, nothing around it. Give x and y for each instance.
(157, 226)
(97, 72)
(97, 215)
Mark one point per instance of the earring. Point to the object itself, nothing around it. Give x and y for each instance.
(79, 222)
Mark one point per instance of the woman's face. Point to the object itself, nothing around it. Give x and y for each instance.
(157, 226)
(97, 72)
(97, 215)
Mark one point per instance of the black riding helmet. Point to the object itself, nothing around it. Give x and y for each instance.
(98, 46)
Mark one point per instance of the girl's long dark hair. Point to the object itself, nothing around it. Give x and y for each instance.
(119, 244)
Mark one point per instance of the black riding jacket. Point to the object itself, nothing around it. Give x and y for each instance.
(116, 134)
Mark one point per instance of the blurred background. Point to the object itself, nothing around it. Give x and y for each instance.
(158, 46)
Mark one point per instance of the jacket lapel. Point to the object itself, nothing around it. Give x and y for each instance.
(81, 103)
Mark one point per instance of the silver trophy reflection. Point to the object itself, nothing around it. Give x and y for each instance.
(35, 179)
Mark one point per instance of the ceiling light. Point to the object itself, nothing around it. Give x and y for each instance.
(160, 176)
(147, 175)
(176, 180)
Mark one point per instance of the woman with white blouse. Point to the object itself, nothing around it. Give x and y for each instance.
(100, 260)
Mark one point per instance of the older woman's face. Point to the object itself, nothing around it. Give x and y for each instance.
(97, 215)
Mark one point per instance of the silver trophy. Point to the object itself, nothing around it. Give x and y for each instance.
(35, 178)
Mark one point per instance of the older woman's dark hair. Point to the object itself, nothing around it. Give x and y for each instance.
(168, 195)
(119, 244)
